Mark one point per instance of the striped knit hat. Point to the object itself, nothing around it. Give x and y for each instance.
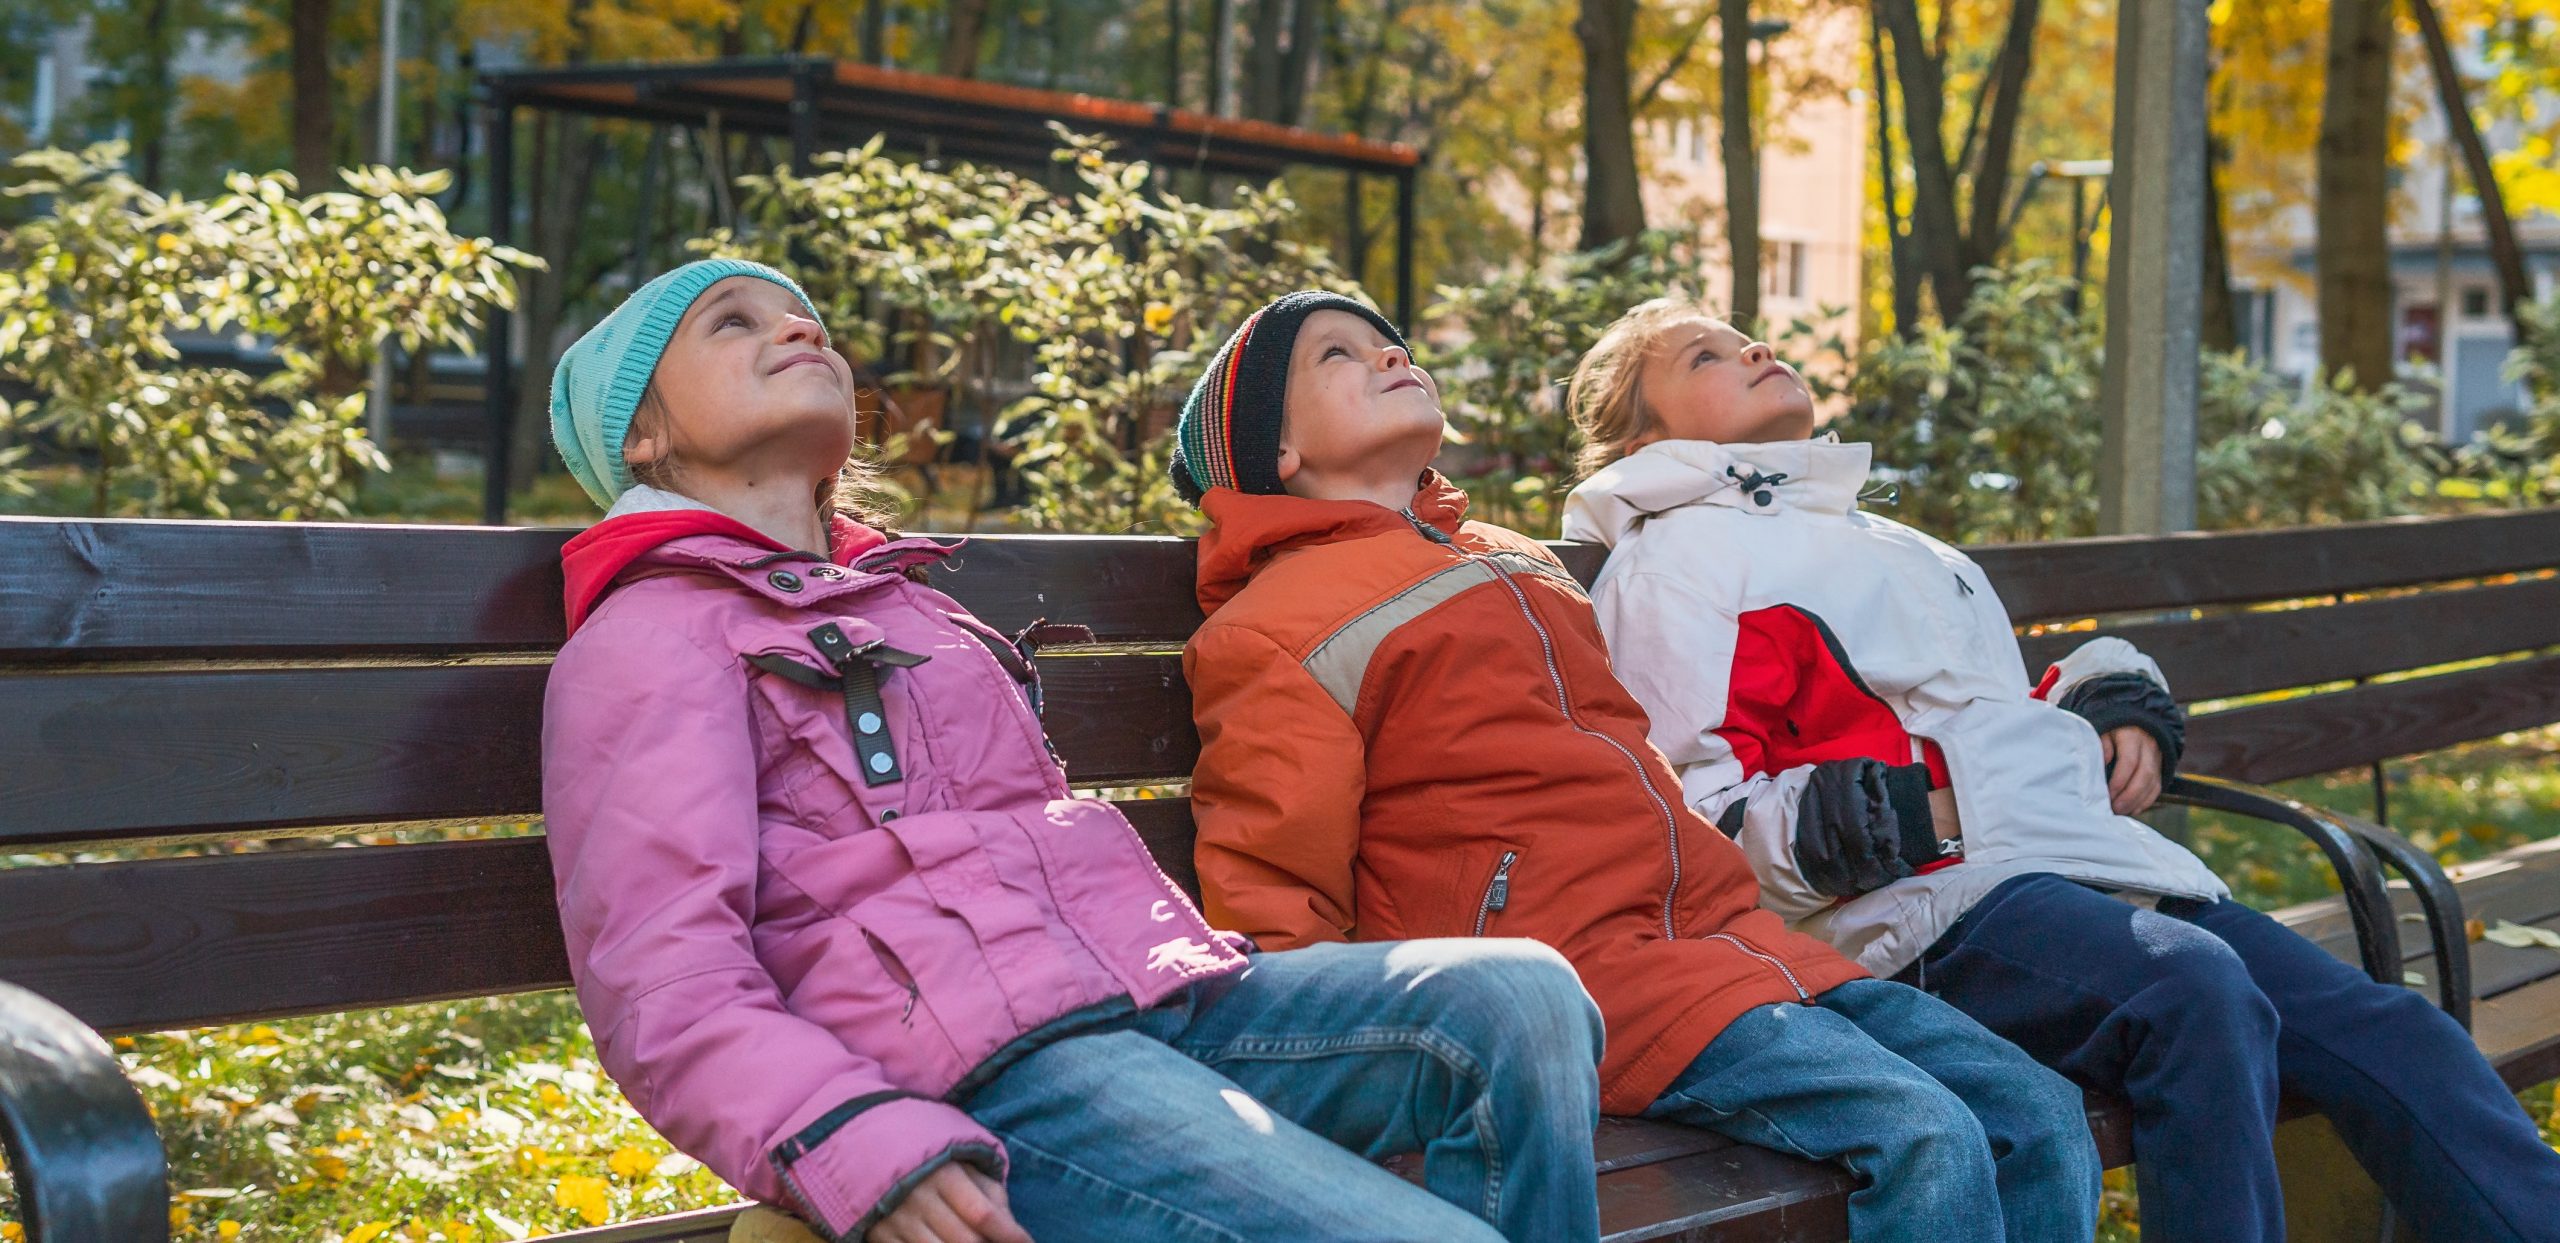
(598, 384)
(1230, 431)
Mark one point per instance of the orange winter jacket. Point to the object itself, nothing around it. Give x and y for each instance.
(1408, 728)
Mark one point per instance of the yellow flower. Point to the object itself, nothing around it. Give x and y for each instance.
(457, 1117)
(167, 243)
(553, 1098)
(124, 1042)
(330, 1165)
(461, 1231)
(353, 1135)
(367, 1232)
(631, 1162)
(582, 1194)
(12, 1232)
(227, 1229)
(1159, 317)
(530, 1158)
(178, 1215)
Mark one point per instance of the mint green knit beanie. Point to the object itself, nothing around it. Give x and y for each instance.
(599, 381)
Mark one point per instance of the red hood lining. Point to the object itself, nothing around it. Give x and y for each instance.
(595, 558)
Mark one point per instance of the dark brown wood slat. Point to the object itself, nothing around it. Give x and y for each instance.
(96, 756)
(709, 1225)
(2520, 1033)
(1737, 1194)
(2250, 653)
(196, 942)
(2082, 578)
(2323, 733)
(136, 589)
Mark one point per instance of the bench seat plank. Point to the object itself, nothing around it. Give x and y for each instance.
(2291, 738)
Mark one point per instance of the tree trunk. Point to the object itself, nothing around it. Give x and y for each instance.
(1613, 198)
(1990, 201)
(1262, 60)
(2352, 256)
(1222, 50)
(1934, 242)
(2514, 287)
(960, 39)
(1906, 282)
(151, 124)
(1741, 162)
(2217, 321)
(1298, 65)
(315, 111)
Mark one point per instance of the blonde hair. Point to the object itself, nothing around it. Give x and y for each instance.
(852, 491)
(1606, 396)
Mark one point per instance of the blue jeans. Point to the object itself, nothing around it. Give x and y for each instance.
(2201, 1013)
(1254, 1108)
(1958, 1135)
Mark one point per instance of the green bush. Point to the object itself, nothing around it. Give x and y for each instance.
(91, 292)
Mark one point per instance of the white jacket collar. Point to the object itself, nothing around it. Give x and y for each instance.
(1821, 475)
(643, 499)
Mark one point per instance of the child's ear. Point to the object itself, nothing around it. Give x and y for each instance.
(643, 450)
(1290, 463)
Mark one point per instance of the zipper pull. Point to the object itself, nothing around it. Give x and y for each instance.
(1428, 531)
(1499, 896)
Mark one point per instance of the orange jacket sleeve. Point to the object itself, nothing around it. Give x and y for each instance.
(1276, 794)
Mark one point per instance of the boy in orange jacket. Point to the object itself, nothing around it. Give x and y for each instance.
(1409, 728)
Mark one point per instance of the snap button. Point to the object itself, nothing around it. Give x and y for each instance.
(880, 762)
(827, 572)
(889, 815)
(783, 580)
(869, 723)
(1759, 498)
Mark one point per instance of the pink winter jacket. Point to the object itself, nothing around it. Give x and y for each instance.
(789, 969)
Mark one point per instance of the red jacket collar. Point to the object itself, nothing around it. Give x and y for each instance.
(592, 561)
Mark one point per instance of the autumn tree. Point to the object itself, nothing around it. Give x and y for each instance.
(2352, 255)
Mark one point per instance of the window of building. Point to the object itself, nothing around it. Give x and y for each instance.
(1783, 270)
(2475, 303)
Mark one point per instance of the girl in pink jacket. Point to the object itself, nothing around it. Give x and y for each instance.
(843, 933)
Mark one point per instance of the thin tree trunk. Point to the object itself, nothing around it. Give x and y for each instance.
(1298, 65)
(1262, 61)
(1222, 50)
(1933, 186)
(2217, 321)
(314, 101)
(2352, 256)
(1990, 206)
(1741, 162)
(1906, 282)
(151, 127)
(1613, 198)
(2514, 287)
(968, 25)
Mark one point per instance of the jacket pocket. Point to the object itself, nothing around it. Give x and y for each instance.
(1497, 891)
(812, 764)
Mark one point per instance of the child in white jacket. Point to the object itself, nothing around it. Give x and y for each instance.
(1844, 695)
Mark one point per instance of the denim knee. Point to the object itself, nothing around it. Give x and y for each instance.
(1929, 1135)
(1509, 1000)
(2201, 996)
(2051, 1134)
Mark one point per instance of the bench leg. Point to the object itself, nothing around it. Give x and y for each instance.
(87, 1159)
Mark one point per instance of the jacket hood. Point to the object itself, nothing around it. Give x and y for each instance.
(1823, 475)
(647, 518)
(1248, 529)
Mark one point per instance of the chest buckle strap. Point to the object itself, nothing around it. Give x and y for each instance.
(866, 715)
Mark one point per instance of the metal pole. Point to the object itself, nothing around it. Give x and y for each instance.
(2155, 273)
(1404, 249)
(497, 391)
(386, 138)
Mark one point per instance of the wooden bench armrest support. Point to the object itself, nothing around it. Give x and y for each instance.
(81, 1147)
(2359, 873)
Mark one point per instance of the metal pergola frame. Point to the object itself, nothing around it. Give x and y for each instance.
(819, 102)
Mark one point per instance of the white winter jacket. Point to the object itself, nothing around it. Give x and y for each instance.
(1767, 624)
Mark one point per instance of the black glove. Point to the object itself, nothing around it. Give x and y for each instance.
(1862, 824)
(2121, 699)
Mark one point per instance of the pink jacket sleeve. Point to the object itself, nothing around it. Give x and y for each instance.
(649, 796)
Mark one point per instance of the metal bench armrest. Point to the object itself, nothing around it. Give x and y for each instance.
(2359, 873)
(2439, 899)
(87, 1160)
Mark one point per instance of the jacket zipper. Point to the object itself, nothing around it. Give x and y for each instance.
(1771, 959)
(1555, 676)
(1497, 892)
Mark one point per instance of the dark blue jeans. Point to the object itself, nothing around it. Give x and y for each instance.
(2201, 1013)
(1958, 1135)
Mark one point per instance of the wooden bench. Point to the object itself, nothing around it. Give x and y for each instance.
(173, 683)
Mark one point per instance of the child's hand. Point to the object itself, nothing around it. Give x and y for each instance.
(954, 1204)
(2133, 768)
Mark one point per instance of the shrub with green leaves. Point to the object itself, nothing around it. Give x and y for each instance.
(92, 291)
